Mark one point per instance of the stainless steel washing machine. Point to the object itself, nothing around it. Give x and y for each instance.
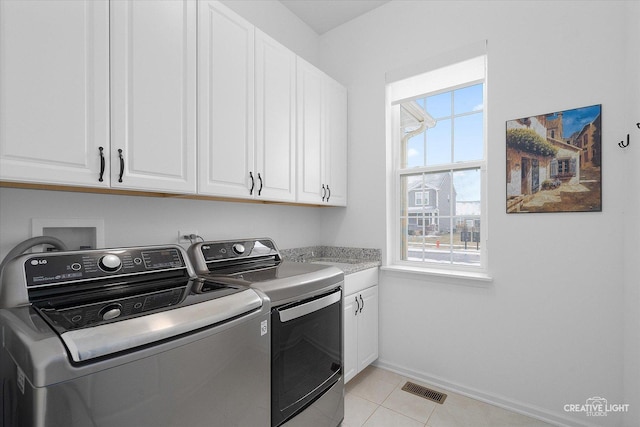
(129, 337)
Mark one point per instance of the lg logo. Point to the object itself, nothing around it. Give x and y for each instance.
(38, 261)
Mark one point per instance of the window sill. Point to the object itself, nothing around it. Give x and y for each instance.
(463, 277)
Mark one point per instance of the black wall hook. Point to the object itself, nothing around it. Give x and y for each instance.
(638, 124)
(621, 144)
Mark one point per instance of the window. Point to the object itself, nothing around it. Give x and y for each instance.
(563, 166)
(421, 198)
(438, 210)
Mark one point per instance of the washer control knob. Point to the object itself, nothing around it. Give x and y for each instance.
(110, 263)
(238, 248)
(110, 311)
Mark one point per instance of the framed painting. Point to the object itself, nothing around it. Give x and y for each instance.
(554, 162)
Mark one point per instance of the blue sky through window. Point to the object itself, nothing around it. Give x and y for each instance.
(439, 105)
(468, 99)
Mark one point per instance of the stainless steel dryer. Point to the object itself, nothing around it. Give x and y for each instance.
(129, 337)
(307, 386)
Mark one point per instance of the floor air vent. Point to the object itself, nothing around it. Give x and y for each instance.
(424, 392)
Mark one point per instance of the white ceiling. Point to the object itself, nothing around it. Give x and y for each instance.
(324, 15)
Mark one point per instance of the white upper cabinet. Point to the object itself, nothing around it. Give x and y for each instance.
(54, 91)
(226, 103)
(322, 137)
(181, 96)
(153, 95)
(56, 59)
(246, 109)
(335, 167)
(310, 121)
(275, 100)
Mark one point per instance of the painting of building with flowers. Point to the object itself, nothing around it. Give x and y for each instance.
(554, 162)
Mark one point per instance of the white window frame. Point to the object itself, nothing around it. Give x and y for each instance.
(437, 77)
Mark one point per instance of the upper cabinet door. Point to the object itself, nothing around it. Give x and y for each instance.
(153, 95)
(225, 103)
(275, 99)
(310, 122)
(336, 143)
(54, 91)
(322, 137)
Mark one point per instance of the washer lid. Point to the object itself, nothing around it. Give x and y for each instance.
(89, 343)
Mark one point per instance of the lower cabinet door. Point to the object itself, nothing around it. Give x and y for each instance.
(350, 336)
(360, 330)
(368, 327)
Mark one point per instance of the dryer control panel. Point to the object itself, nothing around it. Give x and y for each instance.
(233, 249)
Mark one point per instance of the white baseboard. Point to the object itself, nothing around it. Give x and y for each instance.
(492, 399)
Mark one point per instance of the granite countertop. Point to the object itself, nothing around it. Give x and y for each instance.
(349, 260)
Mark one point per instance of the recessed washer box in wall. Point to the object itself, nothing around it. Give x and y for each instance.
(76, 233)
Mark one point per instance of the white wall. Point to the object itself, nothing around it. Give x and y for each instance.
(548, 331)
(277, 21)
(632, 231)
(131, 221)
(142, 220)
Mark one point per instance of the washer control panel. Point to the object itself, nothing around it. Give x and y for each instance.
(58, 268)
(110, 263)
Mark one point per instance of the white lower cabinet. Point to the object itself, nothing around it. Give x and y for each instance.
(360, 313)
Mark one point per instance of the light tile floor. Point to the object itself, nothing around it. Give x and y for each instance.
(374, 399)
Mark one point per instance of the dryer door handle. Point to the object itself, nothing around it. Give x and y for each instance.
(309, 307)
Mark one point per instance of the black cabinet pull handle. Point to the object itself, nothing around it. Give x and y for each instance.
(357, 306)
(121, 165)
(253, 183)
(101, 164)
(260, 179)
(362, 306)
(328, 192)
(324, 192)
